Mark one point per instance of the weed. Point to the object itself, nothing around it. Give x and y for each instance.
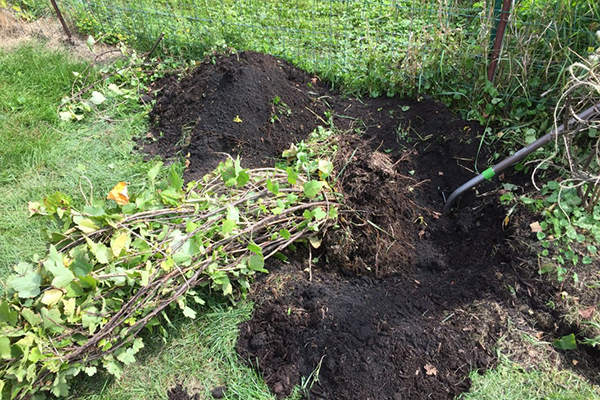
(279, 108)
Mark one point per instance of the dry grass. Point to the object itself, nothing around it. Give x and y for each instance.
(47, 30)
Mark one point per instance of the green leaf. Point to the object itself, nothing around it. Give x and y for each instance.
(292, 198)
(228, 226)
(5, 347)
(292, 176)
(175, 179)
(567, 342)
(153, 172)
(90, 371)
(227, 172)
(333, 213)
(102, 254)
(88, 282)
(7, 313)
(113, 367)
(26, 282)
(188, 312)
(256, 249)
(94, 211)
(233, 213)
(308, 214)
(52, 320)
(126, 357)
(57, 201)
(54, 264)
(33, 318)
(284, 233)
(257, 263)
(60, 387)
(312, 188)
(90, 320)
(273, 187)
(87, 226)
(171, 196)
(242, 179)
(80, 266)
(319, 213)
(97, 98)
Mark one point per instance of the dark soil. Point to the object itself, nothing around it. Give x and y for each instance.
(403, 302)
(239, 105)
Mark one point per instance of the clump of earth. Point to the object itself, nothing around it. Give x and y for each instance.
(400, 302)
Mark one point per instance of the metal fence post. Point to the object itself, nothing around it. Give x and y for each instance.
(495, 54)
(62, 20)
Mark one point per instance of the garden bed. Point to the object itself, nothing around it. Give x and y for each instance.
(400, 302)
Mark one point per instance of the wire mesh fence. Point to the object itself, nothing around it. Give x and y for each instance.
(377, 47)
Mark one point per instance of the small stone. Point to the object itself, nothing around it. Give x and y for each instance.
(218, 392)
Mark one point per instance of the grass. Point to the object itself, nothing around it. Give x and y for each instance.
(200, 356)
(509, 381)
(41, 154)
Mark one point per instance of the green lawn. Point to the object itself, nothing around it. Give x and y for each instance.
(39, 154)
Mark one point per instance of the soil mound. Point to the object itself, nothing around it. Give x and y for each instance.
(249, 104)
(400, 303)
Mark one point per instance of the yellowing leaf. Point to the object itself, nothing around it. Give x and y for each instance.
(119, 194)
(118, 244)
(34, 208)
(237, 119)
(51, 297)
(168, 264)
(87, 226)
(315, 241)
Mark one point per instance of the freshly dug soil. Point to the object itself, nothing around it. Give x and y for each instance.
(248, 104)
(400, 302)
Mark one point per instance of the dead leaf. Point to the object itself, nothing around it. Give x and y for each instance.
(587, 313)
(119, 194)
(34, 208)
(539, 335)
(575, 362)
(430, 369)
(535, 227)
